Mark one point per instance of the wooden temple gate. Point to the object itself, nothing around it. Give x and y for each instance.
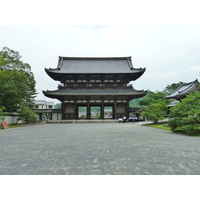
(95, 82)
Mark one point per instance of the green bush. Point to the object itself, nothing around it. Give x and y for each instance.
(2, 113)
(185, 116)
(154, 112)
(26, 114)
(83, 117)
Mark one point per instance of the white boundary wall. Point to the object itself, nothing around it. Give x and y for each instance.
(11, 118)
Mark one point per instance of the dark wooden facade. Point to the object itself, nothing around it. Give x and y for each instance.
(99, 82)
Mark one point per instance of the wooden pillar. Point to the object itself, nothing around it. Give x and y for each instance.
(75, 109)
(115, 109)
(88, 109)
(127, 108)
(102, 110)
(63, 109)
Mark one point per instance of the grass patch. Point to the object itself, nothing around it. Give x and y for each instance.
(11, 126)
(166, 127)
(160, 126)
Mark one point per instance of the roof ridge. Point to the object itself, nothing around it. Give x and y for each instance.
(94, 57)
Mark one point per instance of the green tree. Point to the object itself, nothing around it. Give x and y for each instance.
(135, 103)
(170, 88)
(198, 87)
(17, 83)
(1, 113)
(58, 106)
(155, 111)
(152, 98)
(185, 116)
(26, 114)
(158, 96)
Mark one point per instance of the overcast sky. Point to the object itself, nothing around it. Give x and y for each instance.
(148, 31)
(169, 53)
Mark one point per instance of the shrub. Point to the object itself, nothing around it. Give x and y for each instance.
(154, 111)
(185, 116)
(26, 114)
(2, 113)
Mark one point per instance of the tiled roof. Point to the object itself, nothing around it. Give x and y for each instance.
(94, 92)
(183, 90)
(40, 102)
(173, 103)
(96, 65)
(43, 102)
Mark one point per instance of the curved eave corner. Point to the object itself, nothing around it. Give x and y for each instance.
(139, 73)
(143, 91)
(51, 73)
(140, 93)
(47, 94)
(139, 69)
(51, 70)
(129, 58)
(44, 92)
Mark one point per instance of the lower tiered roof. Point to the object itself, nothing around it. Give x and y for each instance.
(64, 93)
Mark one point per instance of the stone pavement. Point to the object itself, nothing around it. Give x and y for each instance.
(97, 149)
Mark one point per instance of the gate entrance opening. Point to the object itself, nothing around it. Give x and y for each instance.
(108, 112)
(95, 112)
(82, 112)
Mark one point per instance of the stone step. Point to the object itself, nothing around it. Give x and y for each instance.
(84, 121)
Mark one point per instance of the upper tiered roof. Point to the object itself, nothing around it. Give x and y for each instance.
(183, 90)
(95, 65)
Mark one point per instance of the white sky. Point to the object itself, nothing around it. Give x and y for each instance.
(170, 53)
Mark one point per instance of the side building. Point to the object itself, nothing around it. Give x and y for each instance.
(95, 83)
(45, 110)
(181, 92)
(43, 104)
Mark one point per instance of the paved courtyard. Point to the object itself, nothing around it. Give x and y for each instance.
(97, 149)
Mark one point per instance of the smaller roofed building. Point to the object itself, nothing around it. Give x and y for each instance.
(182, 91)
(45, 111)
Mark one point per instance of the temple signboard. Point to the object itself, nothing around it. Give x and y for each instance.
(4, 124)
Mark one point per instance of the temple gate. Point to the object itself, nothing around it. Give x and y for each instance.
(100, 82)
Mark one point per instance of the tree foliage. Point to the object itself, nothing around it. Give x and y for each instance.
(58, 106)
(26, 114)
(1, 113)
(154, 111)
(185, 116)
(134, 103)
(153, 98)
(170, 88)
(17, 83)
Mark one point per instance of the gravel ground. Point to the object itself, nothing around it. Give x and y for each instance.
(97, 149)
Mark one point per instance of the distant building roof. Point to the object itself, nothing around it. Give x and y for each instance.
(183, 90)
(43, 102)
(94, 65)
(40, 102)
(49, 103)
(173, 103)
